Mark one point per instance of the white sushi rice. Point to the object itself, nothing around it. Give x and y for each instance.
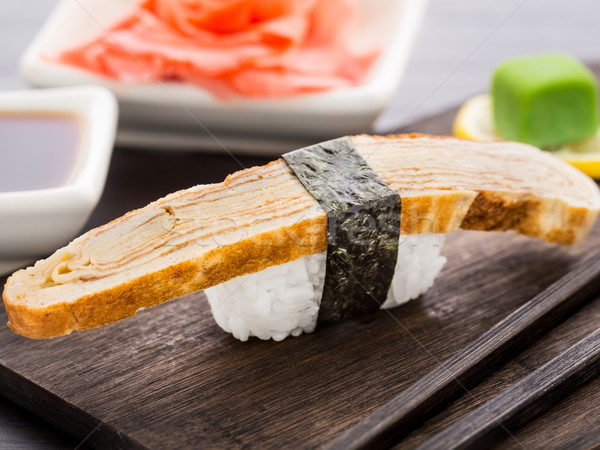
(273, 303)
(284, 300)
(419, 263)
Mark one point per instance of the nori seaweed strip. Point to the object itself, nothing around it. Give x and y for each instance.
(363, 226)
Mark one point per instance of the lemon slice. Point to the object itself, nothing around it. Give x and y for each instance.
(474, 121)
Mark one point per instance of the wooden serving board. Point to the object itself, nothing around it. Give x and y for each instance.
(170, 378)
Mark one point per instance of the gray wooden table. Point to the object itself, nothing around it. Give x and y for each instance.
(459, 44)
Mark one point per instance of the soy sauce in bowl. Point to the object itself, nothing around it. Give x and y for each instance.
(38, 150)
(55, 148)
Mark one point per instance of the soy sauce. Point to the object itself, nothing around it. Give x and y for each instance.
(38, 150)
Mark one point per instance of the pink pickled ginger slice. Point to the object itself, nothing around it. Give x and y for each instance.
(253, 48)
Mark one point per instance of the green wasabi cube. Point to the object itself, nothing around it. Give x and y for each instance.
(546, 100)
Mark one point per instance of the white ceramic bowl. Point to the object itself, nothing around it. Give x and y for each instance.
(34, 223)
(182, 115)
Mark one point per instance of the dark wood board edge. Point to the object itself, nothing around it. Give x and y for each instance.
(573, 422)
(22, 429)
(526, 399)
(71, 419)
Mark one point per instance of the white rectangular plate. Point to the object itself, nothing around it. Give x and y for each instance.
(181, 115)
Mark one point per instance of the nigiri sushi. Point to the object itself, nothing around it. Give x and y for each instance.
(263, 244)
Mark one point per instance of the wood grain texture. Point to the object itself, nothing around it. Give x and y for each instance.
(170, 377)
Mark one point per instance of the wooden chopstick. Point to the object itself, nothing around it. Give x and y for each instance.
(413, 405)
(524, 400)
